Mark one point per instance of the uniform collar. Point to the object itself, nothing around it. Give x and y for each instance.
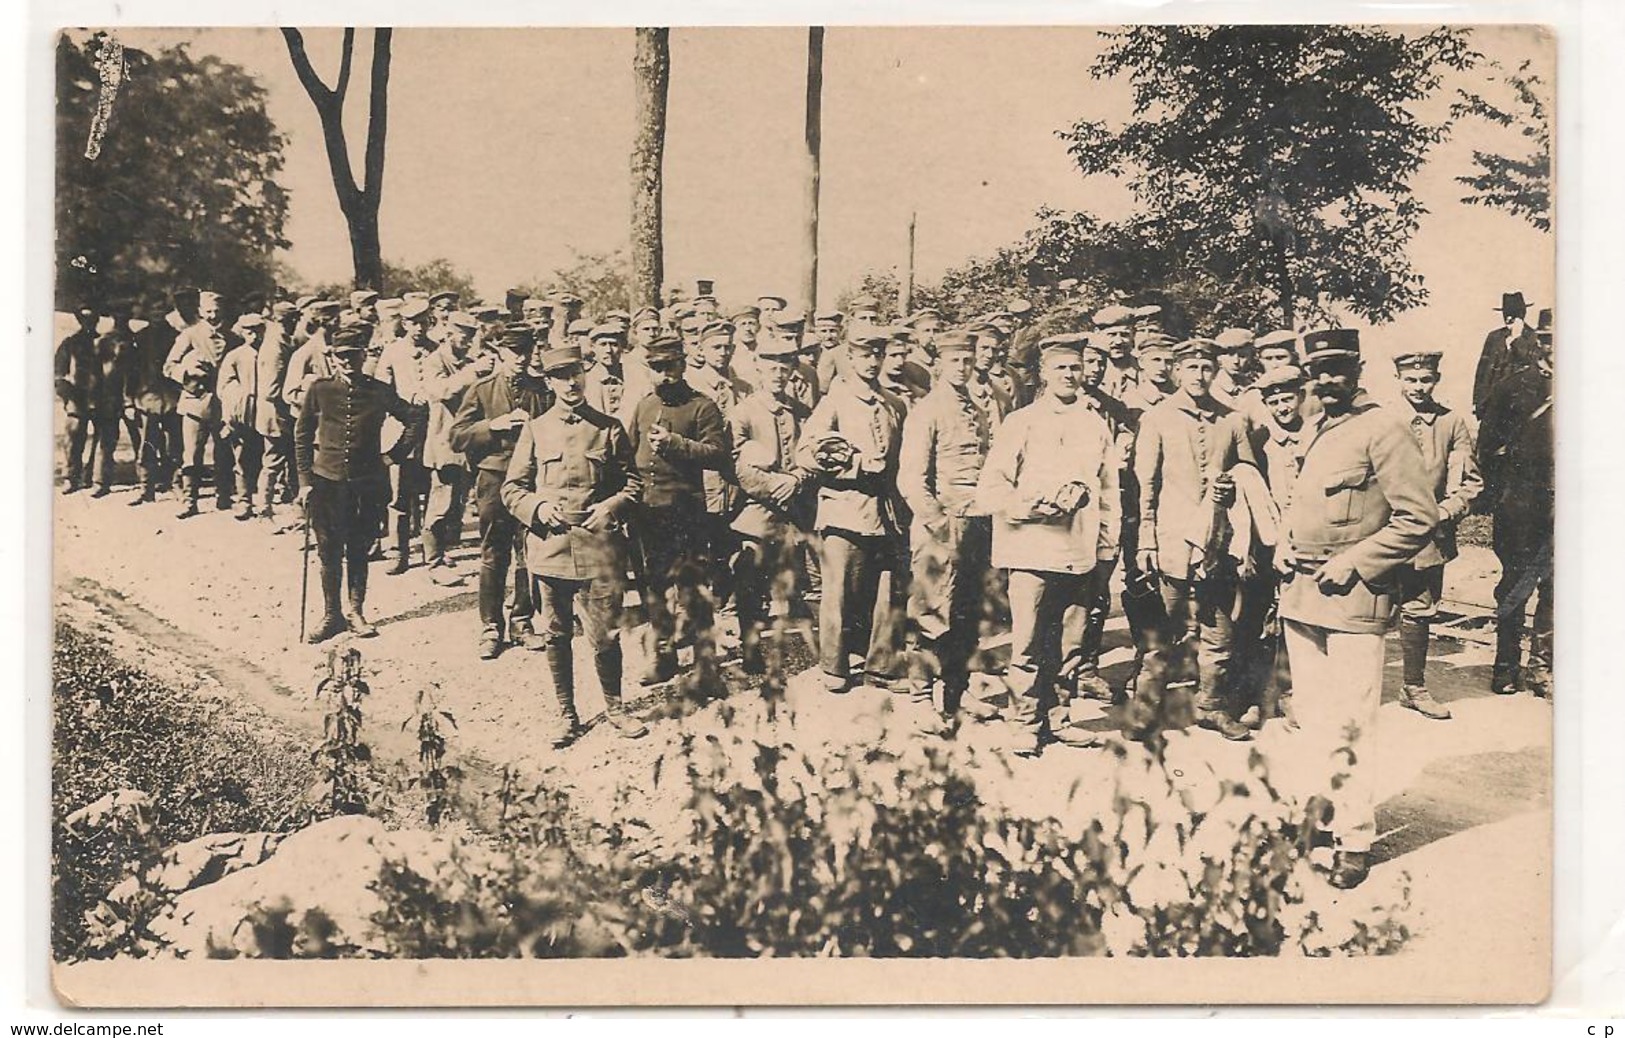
(1191, 406)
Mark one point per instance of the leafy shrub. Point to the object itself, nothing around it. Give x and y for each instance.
(204, 765)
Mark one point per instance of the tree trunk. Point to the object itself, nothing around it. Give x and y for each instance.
(815, 118)
(359, 203)
(651, 67)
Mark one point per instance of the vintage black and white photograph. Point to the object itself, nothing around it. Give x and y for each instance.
(925, 494)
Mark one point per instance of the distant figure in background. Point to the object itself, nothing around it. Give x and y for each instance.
(75, 382)
(238, 390)
(1515, 452)
(194, 362)
(1507, 350)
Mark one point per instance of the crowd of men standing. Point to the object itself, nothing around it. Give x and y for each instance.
(908, 485)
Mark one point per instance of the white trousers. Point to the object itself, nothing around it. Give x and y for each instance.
(1336, 689)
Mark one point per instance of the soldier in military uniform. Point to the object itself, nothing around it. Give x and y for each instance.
(75, 366)
(852, 440)
(986, 386)
(945, 441)
(776, 513)
(239, 393)
(486, 429)
(1050, 484)
(570, 484)
(310, 360)
(1450, 460)
(447, 375)
(343, 486)
(1236, 366)
(1179, 455)
(155, 397)
(402, 367)
(679, 435)
(614, 385)
(194, 362)
(1362, 509)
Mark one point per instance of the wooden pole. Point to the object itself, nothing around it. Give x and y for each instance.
(815, 105)
(908, 285)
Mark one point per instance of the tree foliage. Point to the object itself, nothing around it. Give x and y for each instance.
(602, 280)
(1275, 162)
(436, 275)
(183, 189)
(1522, 184)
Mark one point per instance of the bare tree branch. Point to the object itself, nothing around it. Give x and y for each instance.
(343, 85)
(378, 120)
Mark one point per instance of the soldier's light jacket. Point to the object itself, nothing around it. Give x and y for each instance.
(1037, 450)
(194, 362)
(1450, 460)
(1180, 448)
(863, 498)
(575, 459)
(1362, 492)
(765, 431)
(945, 440)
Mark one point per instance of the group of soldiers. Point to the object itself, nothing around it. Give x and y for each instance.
(907, 485)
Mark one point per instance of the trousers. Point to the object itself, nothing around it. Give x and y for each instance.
(160, 458)
(344, 515)
(197, 435)
(1203, 610)
(502, 545)
(1038, 605)
(598, 604)
(946, 599)
(1337, 689)
(851, 565)
(443, 519)
(1522, 540)
(676, 541)
(244, 450)
(102, 428)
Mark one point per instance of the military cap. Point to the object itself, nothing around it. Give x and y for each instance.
(1089, 342)
(692, 322)
(1017, 307)
(207, 296)
(788, 322)
(446, 294)
(1280, 337)
(771, 302)
(926, 313)
(717, 331)
(745, 310)
(413, 308)
(1330, 343)
(464, 319)
(349, 337)
(302, 302)
(518, 336)
(1197, 347)
(704, 288)
(1232, 339)
(609, 330)
(863, 303)
(282, 308)
(1071, 342)
(1113, 314)
(669, 316)
(616, 315)
(1424, 359)
(1288, 376)
(488, 312)
(579, 326)
(900, 332)
(248, 320)
(514, 300)
(645, 313)
(773, 346)
(560, 358)
(391, 305)
(186, 295)
(362, 297)
(1152, 342)
(568, 300)
(1141, 313)
(828, 317)
(422, 296)
(325, 306)
(867, 337)
(955, 341)
(665, 349)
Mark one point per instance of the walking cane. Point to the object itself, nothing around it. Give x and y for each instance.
(304, 575)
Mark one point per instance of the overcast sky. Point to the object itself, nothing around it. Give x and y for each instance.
(508, 148)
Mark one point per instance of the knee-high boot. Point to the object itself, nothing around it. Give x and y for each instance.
(561, 665)
(358, 597)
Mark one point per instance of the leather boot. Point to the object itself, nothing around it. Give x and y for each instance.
(1210, 714)
(191, 499)
(403, 546)
(561, 665)
(333, 621)
(358, 603)
(608, 665)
